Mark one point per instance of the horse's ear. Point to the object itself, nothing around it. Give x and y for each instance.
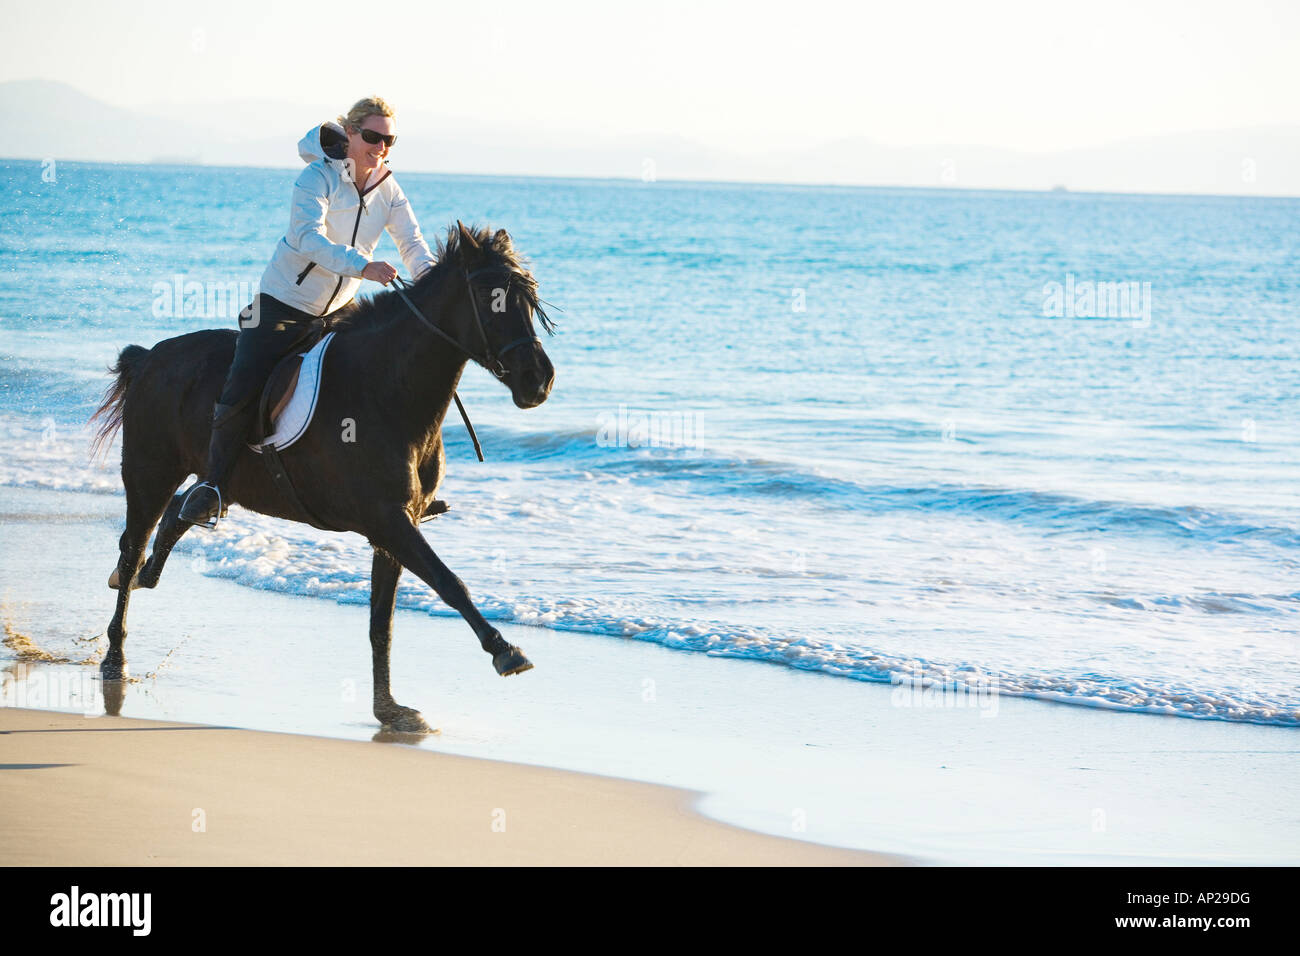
(502, 239)
(466, 237)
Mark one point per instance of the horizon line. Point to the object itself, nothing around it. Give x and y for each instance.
(573, 177)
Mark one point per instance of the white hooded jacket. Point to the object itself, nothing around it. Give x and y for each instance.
(334, 228)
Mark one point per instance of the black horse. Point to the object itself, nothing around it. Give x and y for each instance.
(372, 460)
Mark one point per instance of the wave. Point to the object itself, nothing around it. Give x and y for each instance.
(33, 460)
(1210, 602)
(339, 571)
(713, 474)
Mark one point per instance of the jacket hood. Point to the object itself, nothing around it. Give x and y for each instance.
(326, 141)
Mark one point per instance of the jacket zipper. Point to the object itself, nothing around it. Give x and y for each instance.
(302, 275)
(355, 226)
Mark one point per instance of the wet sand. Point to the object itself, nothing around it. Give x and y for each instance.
(118, 791)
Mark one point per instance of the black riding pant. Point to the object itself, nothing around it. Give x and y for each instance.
(269, 330)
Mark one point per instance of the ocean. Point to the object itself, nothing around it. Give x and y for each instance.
(1039, 443)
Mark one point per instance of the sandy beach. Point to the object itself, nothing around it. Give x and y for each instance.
(116, 791)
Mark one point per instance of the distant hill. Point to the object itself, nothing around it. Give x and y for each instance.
(42, 118)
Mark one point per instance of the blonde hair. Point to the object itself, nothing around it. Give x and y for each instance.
(370, 106)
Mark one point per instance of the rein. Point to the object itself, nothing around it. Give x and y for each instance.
(490, 362)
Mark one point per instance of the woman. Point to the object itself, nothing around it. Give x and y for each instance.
(342, 203)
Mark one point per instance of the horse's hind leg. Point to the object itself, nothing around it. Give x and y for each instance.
(385, 570)
(146, 496)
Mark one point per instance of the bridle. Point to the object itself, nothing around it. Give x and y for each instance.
(493, 363)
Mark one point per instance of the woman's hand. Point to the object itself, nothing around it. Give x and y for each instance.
(380, 272)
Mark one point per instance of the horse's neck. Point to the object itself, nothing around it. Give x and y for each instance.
(414, 373)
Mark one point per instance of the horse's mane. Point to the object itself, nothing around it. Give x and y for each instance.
(498, 252)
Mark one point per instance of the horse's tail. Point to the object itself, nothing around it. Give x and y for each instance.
(110, 410)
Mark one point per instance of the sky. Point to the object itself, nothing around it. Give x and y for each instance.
(1037, 76)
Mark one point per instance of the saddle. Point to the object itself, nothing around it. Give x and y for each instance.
(288, 403)
(289, 397)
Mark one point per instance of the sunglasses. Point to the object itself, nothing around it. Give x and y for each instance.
(372, 137)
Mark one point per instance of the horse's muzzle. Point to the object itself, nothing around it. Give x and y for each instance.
(531, 379)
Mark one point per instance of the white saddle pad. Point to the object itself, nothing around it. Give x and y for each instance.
(292, 422)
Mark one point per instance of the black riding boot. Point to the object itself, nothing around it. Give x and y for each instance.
(204, 503)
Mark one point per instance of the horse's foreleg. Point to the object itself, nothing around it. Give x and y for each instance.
(384, 572)
(405, 543)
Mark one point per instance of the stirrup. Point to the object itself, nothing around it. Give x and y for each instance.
(210, 522)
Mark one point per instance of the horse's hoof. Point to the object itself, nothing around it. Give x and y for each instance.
(405, 720)
(113, 580)
(511, 661)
